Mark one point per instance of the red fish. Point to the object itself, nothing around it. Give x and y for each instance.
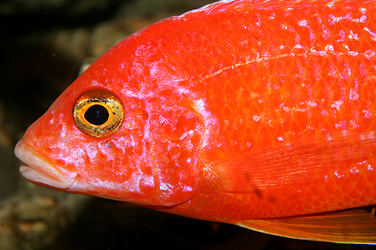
(250, 112)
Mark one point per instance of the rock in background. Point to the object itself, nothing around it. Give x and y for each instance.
(43, 46)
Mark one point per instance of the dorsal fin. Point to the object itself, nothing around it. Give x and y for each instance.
(347, 226)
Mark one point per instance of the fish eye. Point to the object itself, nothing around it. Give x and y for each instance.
(98, 113)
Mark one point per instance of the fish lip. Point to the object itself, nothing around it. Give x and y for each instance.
(38, 170)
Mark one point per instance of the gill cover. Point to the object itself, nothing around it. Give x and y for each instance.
(174, 153)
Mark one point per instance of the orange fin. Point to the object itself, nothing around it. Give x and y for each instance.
(346, 226)
(288, 163)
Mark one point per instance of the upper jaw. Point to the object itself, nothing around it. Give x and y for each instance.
(38, 170)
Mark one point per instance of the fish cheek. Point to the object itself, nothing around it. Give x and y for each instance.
(112, 169)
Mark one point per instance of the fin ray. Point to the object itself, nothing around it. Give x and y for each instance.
(346, 226)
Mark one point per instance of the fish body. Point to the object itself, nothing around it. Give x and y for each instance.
(244, 112)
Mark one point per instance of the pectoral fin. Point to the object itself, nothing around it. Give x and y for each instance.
(347, 226)
(301, 161)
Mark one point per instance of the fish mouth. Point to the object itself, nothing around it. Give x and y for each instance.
(38, 170)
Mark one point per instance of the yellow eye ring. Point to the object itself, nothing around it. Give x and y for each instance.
(98, 113)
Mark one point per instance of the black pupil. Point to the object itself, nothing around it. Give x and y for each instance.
(96, 115)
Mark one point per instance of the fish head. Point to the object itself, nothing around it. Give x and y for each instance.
(117, 133)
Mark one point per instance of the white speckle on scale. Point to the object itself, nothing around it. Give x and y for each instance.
(373, 34)
(329, 48)
(367, 114)
(311, 104)
(369, 54)
(354, 94)
(330, 4)
(302, 23)
(337, 105)
(353, 35)
(338, 175)
(165, 187)
(256, 118)
(340, 124)
(354, 170)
